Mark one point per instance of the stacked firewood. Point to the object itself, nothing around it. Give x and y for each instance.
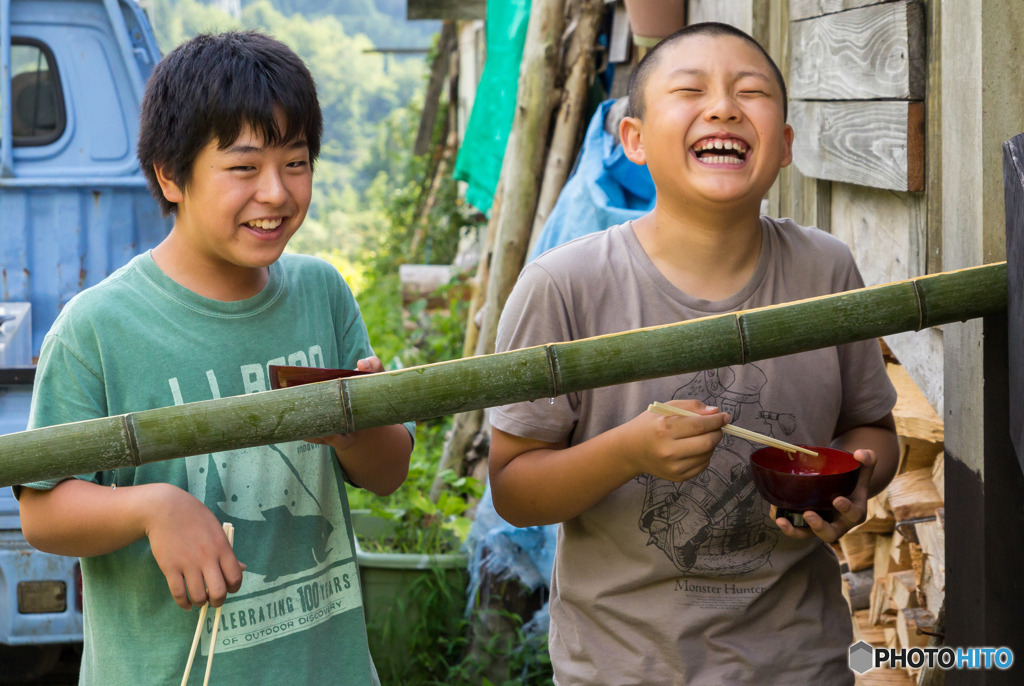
(895, 562)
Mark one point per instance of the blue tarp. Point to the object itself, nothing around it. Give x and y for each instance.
(605, 189)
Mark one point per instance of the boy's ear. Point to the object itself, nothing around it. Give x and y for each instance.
(787, 140)
(168, 187)
(632, 144)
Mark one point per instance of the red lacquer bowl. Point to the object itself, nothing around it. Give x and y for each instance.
(804, 483)
(285, 377)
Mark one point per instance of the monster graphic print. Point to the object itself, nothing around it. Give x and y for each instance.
(717, 523)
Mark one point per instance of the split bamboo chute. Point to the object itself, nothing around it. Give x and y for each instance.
(739, 432)
(489, 380)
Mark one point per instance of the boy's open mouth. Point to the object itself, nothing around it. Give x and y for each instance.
(265, 226)
(725, 151)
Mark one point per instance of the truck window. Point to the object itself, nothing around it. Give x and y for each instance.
(37, 115)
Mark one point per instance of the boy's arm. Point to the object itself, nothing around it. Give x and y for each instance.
(535, 483)
(83, 519)
(874, 445)
(374, 459)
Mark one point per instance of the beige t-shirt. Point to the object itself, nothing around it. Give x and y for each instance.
(693, 583)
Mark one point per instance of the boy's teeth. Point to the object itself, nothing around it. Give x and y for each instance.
(728, 145)
(265, 224)
(718, 145)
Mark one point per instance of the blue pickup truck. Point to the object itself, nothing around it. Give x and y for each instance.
(73, 208)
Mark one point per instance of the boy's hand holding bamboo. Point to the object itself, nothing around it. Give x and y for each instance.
(675, 448)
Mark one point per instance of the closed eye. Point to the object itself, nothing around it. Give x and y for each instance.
(298, 164)
(243, 168)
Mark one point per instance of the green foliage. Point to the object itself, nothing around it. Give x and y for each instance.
(383, 21)
(423, 634)
(425, 527)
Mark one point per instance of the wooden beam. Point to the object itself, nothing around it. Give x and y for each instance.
(578, 73)
(619, 44)
(807, 9)
(432, 98)
(1013, 181)
(461, 10)
(524, 157)
(878, 144)
(982, 87)
(933, 138)
(870, 53)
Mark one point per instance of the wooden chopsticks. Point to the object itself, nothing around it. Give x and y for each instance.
(229, 530)
(667, 410)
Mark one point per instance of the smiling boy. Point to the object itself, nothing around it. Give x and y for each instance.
(229, 134)
(669, 568)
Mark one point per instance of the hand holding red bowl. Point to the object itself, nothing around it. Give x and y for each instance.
(824, 496)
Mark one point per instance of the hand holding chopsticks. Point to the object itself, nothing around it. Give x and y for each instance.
(229, 530)
(669, 410)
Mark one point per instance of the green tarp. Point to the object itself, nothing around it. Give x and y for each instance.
(479, 160)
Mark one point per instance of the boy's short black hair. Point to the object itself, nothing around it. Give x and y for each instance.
(210, 87)
(714, 29)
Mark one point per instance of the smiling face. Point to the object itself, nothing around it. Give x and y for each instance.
(244, 202)
(713, 130)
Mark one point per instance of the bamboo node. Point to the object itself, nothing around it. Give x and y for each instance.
(739, 334)
(346, 406)
(553, 369)
(133, 441)
(920, 306)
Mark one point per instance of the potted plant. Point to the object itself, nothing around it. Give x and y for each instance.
(414, 575)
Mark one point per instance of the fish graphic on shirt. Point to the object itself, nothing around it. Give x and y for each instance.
(303, 547)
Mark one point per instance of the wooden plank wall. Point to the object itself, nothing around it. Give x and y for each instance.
(861, 74)
(894, 234)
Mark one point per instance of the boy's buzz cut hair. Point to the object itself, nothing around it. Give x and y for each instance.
(210, 88)
(714, 29)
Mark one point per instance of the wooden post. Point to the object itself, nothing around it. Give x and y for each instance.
(432, 98)
(1013, 181)
(982, 88)
(524, 157)
(579, 72)
(465, 425)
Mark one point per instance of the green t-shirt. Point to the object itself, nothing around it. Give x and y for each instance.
(138, 341)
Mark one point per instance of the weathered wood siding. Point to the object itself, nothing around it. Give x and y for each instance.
(886, 232)
(879, 144)
(807, 9)
(871, 53)
(869, 64)
(893, 233)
